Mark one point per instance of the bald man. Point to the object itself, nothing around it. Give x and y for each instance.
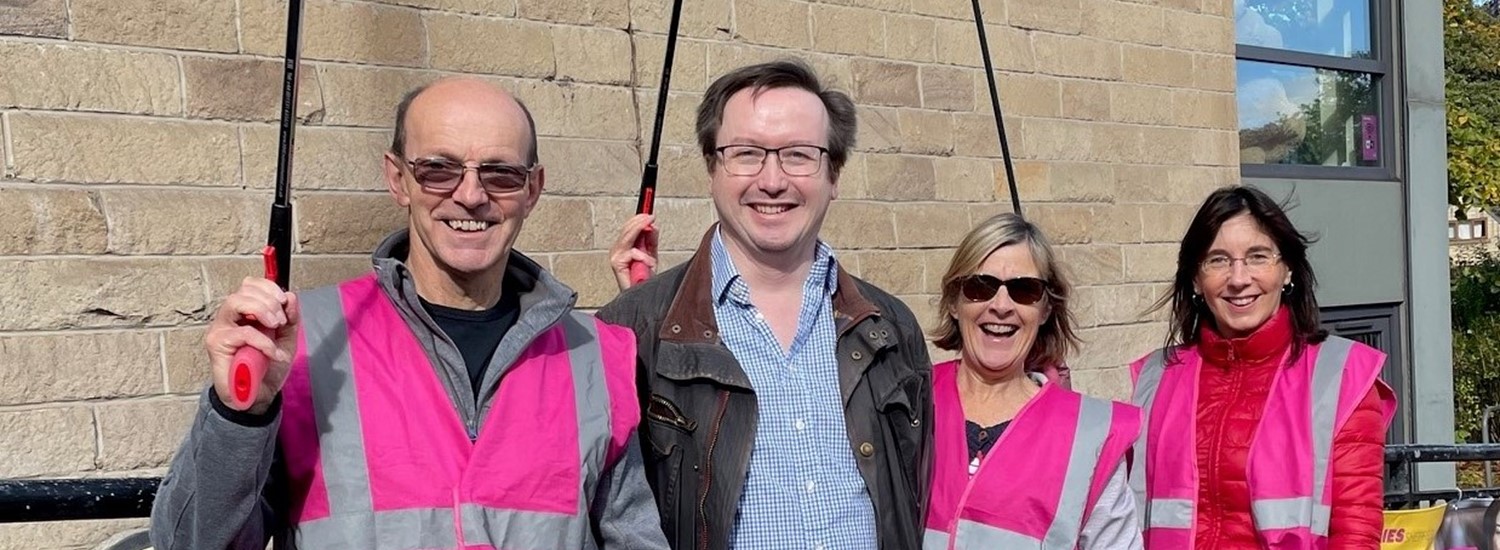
(449, 398)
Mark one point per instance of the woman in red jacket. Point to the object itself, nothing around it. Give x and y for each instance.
(1262, 431)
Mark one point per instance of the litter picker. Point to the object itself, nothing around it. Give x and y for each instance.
(989, 74)
(249, 366)
(646, 201)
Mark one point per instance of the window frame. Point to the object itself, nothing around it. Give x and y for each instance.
(1381, 70)
(1383, 321)
(1481, 222)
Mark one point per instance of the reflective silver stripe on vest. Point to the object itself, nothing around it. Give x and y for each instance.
(1094, 420)
(509, 529)
(933, 539)
(416, 529)
(590, 395)
(425, 528)
(977, 535)
(1144, 395)
(353, 524)
(341, 442)
(1290, 513)
(1327, 381)
(1171, 513)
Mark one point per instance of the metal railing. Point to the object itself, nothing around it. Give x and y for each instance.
(1401, 460)
(72, 499)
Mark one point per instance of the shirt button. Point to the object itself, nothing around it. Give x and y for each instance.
(819, 547)
(811, 485)
(867, 449)
(800, 424)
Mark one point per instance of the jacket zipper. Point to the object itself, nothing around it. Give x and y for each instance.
(708, 463)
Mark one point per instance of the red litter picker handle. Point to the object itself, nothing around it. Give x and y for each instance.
(639, 271)
(249, 372)
(249, 367)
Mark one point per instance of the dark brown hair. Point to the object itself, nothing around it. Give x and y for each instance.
(1188, 311)
(789, 73)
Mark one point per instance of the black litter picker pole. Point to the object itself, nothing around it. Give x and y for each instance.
(646, 200)
(989, 74)
(249, 366)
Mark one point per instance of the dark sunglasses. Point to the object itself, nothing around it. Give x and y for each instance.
(983, 288)
(440, 174)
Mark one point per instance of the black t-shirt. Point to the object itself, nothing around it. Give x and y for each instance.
(477, 333)
(981, 439)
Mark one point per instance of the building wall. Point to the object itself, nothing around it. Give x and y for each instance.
(139, 141)
(1428, 313)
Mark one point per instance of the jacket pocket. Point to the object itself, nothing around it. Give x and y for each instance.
(662, 412)
(671, 443)
(901, 406)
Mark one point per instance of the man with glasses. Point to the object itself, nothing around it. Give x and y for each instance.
(451, 398)
(789, 402)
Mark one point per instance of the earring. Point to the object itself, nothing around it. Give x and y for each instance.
(1288, 288)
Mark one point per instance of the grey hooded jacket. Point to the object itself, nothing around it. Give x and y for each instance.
(224, 489)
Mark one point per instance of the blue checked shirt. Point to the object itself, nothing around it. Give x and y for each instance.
(803, 490)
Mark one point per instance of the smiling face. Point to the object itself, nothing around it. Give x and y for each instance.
(998, 333)
(464, 233)
(1242, 297)
(773, 217)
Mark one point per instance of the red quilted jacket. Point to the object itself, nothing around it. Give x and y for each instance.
(1233, 387)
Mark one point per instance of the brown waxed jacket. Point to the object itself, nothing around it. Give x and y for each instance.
(699, 409)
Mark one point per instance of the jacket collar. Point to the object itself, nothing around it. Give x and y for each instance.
(1268, 342)
(542, 304)
(691, 316)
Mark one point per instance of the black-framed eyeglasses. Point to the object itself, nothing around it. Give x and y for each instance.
(1219, 264)
(748, 160)
(983, 288)
(444, 175)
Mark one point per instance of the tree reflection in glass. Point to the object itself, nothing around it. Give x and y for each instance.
(1303, 115)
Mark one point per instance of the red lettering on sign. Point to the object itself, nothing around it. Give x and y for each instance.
(1393, 535)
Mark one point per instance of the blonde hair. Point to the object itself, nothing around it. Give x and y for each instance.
(1056, 337)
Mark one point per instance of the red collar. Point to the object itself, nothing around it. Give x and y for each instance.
(1267, 342)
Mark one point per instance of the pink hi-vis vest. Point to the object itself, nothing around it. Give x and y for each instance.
(1291, 489)
(378, 458)
(1036, 486)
